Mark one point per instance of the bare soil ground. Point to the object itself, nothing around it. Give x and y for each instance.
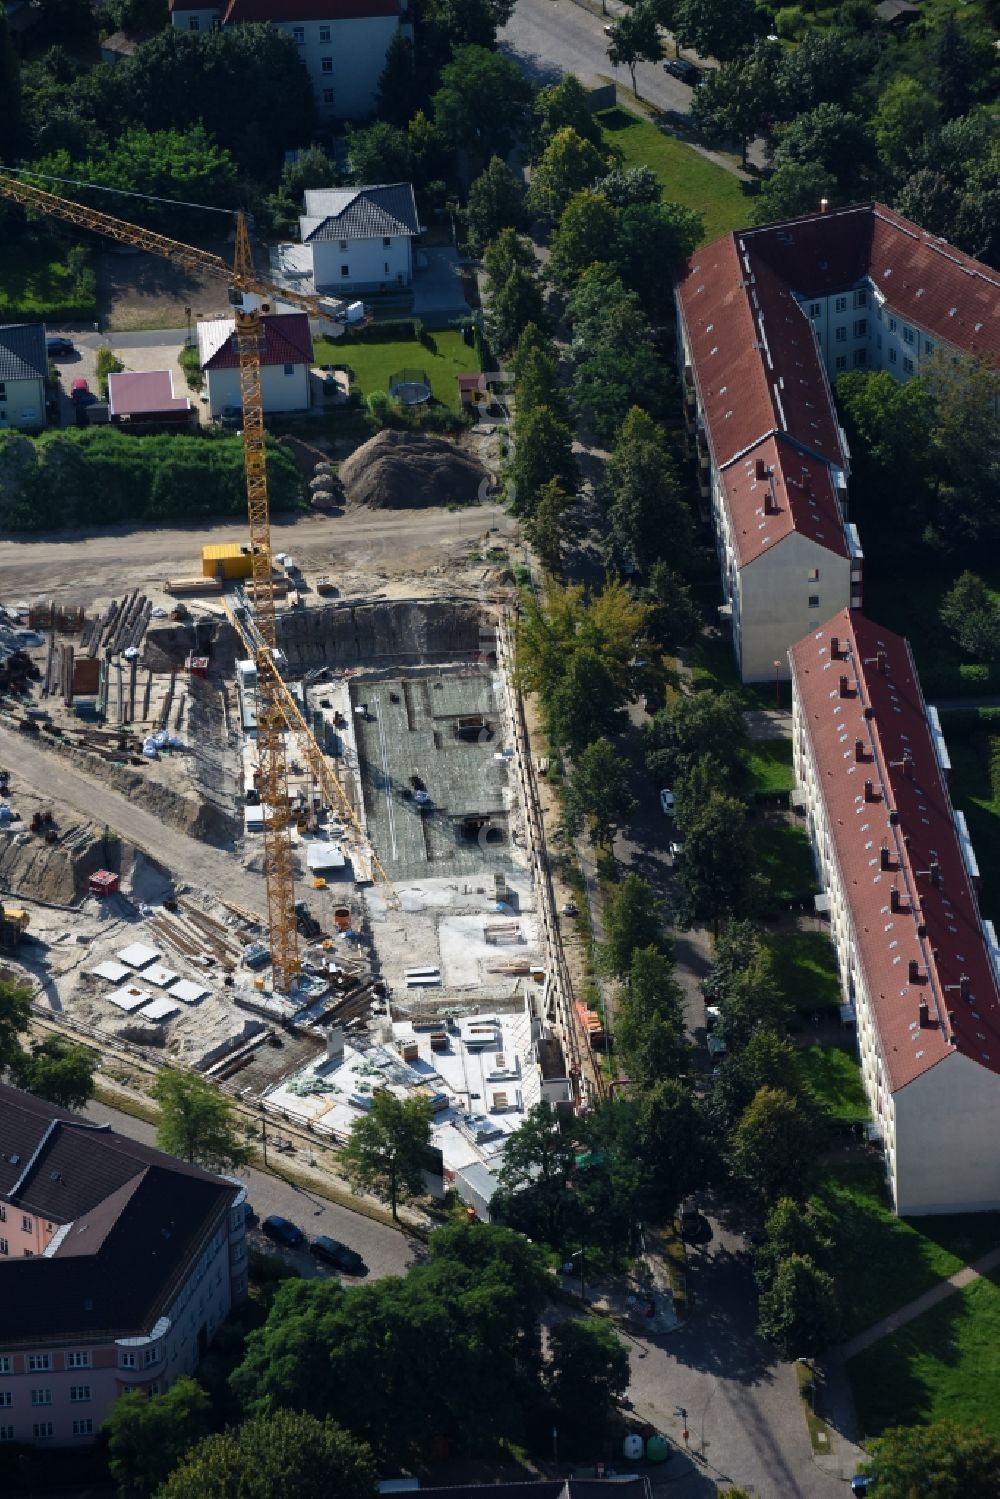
(145, 291)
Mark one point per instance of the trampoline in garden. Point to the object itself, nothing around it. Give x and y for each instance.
(410, 387)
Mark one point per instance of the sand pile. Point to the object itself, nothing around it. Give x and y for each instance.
(394, 470)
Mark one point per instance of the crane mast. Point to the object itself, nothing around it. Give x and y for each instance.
(247, 293)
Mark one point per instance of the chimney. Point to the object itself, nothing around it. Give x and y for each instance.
(914, 971)
(770, 503)
(951, 1021)
(834, 648)
(883, 857)
(870, 791)
(925, 1014)
(965, 986)
(843, 686)
(760, 469)
(824, 205)
(881, 661)
(935, 872)
(894, 905)
(859, 750)
(908, 764)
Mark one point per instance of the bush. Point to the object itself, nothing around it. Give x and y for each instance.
(400, 330)
(190, 363)
(790, 22)
(971, 679)
(995, 767)
(107, 364)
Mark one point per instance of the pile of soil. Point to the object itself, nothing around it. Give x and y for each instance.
(396, 470)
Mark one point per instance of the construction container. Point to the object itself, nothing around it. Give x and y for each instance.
(229, 559)
(196, 665)
(103, 882)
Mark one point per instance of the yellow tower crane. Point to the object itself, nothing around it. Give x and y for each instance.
(247, 296)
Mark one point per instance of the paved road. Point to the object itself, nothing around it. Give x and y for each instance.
(384, 1250)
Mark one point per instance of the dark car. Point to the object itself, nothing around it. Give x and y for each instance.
(57, 344)
(338, 1255)
(679, 67)
(282, 1232)
(862, 1482)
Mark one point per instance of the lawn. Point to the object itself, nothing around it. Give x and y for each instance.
(770, 764)
(806, 969)
(835, 1077)
(972, 793)
(942, 1365)
(32, 286)
(785, 860)
(884, 1261)
(686, 175)
(442, 356)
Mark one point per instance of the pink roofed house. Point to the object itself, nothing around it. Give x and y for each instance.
(147, 397)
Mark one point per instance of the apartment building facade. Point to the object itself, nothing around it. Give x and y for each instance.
(917, 961)
(117, 1266)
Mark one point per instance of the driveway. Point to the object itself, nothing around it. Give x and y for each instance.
(437, 286)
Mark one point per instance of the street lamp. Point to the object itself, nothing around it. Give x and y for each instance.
(263, 1132)
(681, 1410)
(777, 684)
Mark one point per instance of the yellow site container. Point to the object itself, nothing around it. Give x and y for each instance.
(230, 559)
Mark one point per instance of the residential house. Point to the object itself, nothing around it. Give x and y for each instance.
(360, 239)
(917, 961)
(117, 47)
(24, 367)
(343, 43)
(117, 1265)
(147, 398)
(285, 356)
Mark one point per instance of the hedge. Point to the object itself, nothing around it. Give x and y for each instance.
(971, 679)
(100, 476)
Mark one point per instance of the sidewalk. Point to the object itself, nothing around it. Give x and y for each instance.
(919, 1305)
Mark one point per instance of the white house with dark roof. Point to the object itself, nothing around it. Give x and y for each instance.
(286, 354)
(917, 961)
(360, 239)
(24, 366)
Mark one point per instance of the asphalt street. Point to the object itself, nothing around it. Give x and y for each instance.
(384, 1250)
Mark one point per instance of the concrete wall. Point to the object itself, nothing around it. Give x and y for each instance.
(344, 60)
(371, 264)
(858, 329)
(22, 403)
(773, 609)
(947, 1125)
(281, 391)
(196, 20)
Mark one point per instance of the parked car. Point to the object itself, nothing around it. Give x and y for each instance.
(57, 344)
(81, 393)
(338, 1255)
(716, 1045)
(676, 849)
(862, 1482)
(679, 67)
(690, 1218)
(667, 802)
(282, 1232)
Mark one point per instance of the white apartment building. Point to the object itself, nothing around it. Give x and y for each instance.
(359, 239)
(917, 961)
(343, 43)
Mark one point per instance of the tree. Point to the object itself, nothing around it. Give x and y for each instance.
(536, 378)
(496, 201)
(971, 614)
(597, 790)
(548, 528)
(399, 92)
(649, 1023)
(585, 703)
(635, 38)
(287, 1455)
(197, 1122)
(890, 428)
(647, 511)
(137, 18)
(905, 117)
(789, 1229)
(966, 444)
(10, 83)
(57, 1070)
(799, 1309)
(585, 235)
(15, 1016)
(956, 69)
(735, 101)
(379, 153)
(716, 870)
(543, 451)
(675, 1143)
(827, 67)
(675, 619)
(840, 142)
(482, 102)
(942, 1458)
(568, 164)
(311, 168)
(148, 1435)
(587, 1376)
(793, 189)
(611, 624)
(717, 28)
(692, 725)
(461, 23)
(631, 921)
(752, 1001)
(564, 104)
(537, 1164)
(650, 238)
(512, 304)
(387, 1152)
(774, 1146)
(767, 1061)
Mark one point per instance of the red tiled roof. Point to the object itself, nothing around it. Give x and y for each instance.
(146, 391)
(794, 493)
(308, 10)
(933, 948)
(285, 339)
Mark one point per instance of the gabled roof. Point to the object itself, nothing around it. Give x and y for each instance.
(373, 212)
(144, 392)
(23, 354)
(776, 489)
(308, 10)
(883, 788)
(285, 339)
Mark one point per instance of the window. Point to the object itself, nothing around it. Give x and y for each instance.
(4, 1246)
(152, 1356)
(6, 1433)
(5, 1363)
(193, 23)
(153, 1389)
(860, 358)
(841, 335)
(878, 340)
(324, 33)
(78, 1393)
(345, 270)
(26, 1223)
(29, 1254)
(328, 96)
(907, 334)
(815, 308)
(814, 601)
(126, 1360)
(3, 391)
(907, 365)
(892, 356)
(840, 362)
(78, 1360)
(42, 1429)
(387, 242)
(861, 297)
(3, 1213)
(41, 1397)
(38, 1361)
(298, 34)
(326, 64)
(386, 264)
(6, 1399)
(84, 1427)
(288, 369)
(813, 575)
(892, 325)
(860, 327)
(840, 305)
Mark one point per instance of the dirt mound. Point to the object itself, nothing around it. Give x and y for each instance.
(396, 470)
